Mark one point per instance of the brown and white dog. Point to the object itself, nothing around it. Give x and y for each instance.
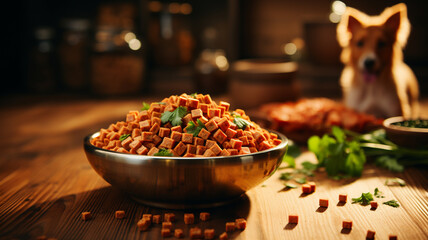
(375, 79)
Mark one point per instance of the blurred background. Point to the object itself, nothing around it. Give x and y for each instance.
(138, 48)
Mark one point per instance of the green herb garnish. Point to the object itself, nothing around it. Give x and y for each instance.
(124, 136)
(240, 122)
(286, 176)
(301, 180)
(193, 95)
(392, 203)
(378, 193)
(146, 106)
(175, 116)
(290, 185)
(395, 181)
(164, 152)
(364, 199)
(193, 128)
(340, 157)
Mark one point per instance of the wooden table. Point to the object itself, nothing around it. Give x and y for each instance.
(46, 183)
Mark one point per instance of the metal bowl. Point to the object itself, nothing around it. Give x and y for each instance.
(179, 182)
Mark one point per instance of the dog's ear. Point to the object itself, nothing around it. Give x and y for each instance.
(353, 24)
(397, 23)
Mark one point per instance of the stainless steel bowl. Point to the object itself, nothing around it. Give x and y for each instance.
(179, 182)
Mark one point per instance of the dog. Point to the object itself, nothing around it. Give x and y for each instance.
(375, 79)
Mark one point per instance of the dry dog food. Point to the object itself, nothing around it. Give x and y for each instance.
(86, 216)
(148, 216)
(223, 236)
(209, 233)
(370, 234)
(347, 224)
(230, 226)
(119, 214)
(195, 233)
(169, 217)
(143, 224)
(373, 204)
(313, 186)
(189, 218)
(157, 219)
(178, 233)
(294, 219)
(204, 216)
(323, 202)
(167, 225)
(343, 198)
(166, 232)
(186, 126)
(392, 237)
(241, 223)
(306, 188)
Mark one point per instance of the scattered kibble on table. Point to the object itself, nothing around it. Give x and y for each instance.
(209, 233)
(373, 204)
(178, 233)
(347, 224)
(293, 219)
(119, 214)
(370, 234)
(166, 232)
(189, 218)
(323, 202)
(343, 198)
(230, 226)
(86, 216)
(204, 216)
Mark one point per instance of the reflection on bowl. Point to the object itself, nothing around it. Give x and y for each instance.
(405, 136)
(178, 182)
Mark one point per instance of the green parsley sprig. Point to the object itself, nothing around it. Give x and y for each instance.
(124, 136)
(364, 199)
(195, 128)
(175, 116)
(164, 152)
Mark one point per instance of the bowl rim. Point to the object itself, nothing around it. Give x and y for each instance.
(88, 146)
(388, 123)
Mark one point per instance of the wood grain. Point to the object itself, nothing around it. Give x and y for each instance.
(46, 182)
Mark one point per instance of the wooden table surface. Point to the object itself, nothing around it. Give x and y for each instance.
(46, 182)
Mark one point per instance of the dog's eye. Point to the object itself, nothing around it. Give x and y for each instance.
(360, 43)
(381, 44)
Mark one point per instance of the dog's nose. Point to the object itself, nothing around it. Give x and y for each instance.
(369, 63)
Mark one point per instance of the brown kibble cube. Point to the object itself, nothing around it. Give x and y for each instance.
(157, 219)
(323, 202)
(169, 217)
(224, 152)
(200, 150)
(198, 141)
(189, 218)
(392, 237)
(119, 214)
(164, 132)
(244, 150)
(192, 103)
(125, 143)
(143, 224)
(135, 144)
(197, 113)
(347, 224)
(147, 136)
(86, 216)
(313, 186)
(373, 204)
(293, 219)
(167, 143)
(224, 124)
(370, 234)
(148, 216)
(209, 233)
(187, 137)
(209, 153)
(236, 144)
(220, 136)
(145, 125)
(152, 151)
(204, 134)
(180, 148)
(177, 129)
(178, 233)
(211, 125)
(306, 188)
(216, 149)
(166, 232)
(195, 233)
(230, 226)
(176, 136)
(241, 223)
(223, 236)
(213, 112)
(167, 225)
(343, 198)
(204, 216)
